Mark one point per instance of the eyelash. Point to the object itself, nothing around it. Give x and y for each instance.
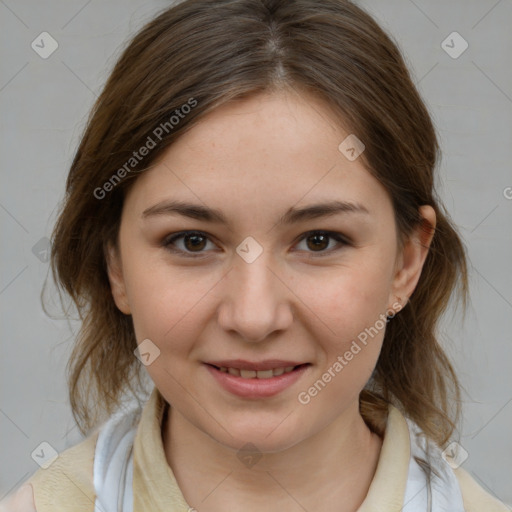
(169, 241)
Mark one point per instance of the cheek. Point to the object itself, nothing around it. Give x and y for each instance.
(351, 318)
(167, 301)
(346, 300)
(349, 305)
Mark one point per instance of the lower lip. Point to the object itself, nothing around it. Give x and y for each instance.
(256, 388)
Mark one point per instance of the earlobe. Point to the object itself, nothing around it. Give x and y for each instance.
(414, 254)
(116, 279)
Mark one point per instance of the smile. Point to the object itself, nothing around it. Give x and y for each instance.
(259, 374)
(256, 380)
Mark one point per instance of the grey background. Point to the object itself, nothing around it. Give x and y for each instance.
(44, 104)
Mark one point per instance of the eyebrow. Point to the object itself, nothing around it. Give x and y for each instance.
(293, 215)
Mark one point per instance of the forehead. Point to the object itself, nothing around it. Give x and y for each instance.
(265, 152)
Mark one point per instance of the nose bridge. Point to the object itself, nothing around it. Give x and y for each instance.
(255, 302)
(255, 277)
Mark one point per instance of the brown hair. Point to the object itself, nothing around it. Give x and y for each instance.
(213, 51)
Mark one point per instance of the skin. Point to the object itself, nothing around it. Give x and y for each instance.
(253, 159)
(21, 500)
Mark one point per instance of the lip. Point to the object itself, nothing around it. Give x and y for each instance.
(256, 388)
(267, 364)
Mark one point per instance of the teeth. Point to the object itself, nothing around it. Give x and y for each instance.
(248, 374)
(260, 374)
(265, 374)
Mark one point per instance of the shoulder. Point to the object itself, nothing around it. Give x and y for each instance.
(21, 500)
(67, 484)
(451, 485)
(72, 479)
(475, 497)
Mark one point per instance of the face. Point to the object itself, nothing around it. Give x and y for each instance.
(256, 299)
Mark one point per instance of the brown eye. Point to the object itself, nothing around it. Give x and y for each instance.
(192, 243)
(318, 242)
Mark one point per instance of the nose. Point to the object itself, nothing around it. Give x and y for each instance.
(255, 300)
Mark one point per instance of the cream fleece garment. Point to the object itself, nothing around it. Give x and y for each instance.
(79, 479)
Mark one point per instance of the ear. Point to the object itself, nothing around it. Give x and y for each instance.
(413, 254)
(116, 278)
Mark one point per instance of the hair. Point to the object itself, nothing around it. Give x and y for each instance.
(207, 53)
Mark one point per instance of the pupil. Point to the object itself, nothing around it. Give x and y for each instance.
(323, 244)
(196, 241)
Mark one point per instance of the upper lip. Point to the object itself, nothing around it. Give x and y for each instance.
(267, 364)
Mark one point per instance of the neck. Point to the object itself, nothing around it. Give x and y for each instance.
(331, 470)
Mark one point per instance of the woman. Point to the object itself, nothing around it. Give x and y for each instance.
(251, 212)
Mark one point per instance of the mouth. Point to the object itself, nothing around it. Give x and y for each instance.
(256, 380)
(257, 374)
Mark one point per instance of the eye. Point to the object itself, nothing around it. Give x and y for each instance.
(318, 241)
(193, 243)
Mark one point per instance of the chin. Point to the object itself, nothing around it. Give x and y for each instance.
(274, 435)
